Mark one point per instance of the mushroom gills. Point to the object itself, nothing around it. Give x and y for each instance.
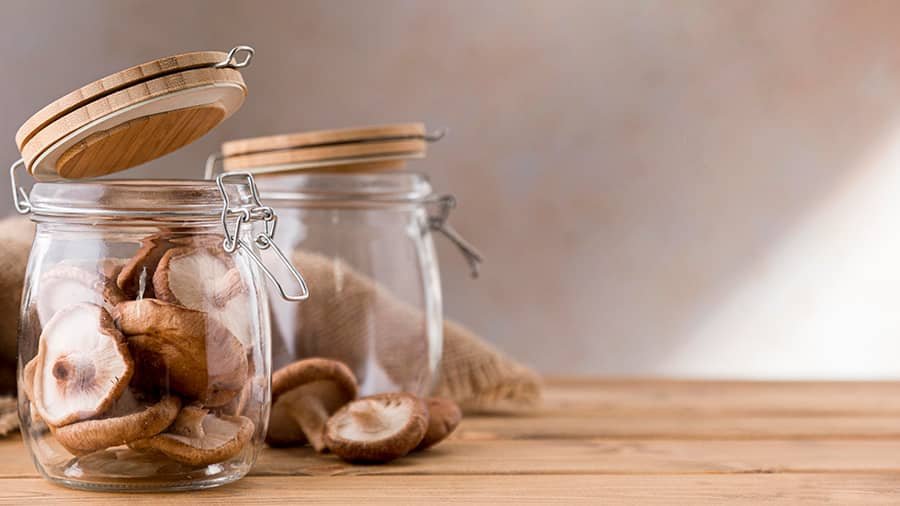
(84, 365)
(204, 279)
(378, 428)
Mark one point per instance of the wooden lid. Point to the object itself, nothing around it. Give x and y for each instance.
(382, 147)
(133, 116)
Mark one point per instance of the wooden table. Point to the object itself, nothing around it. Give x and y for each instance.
(654, 442)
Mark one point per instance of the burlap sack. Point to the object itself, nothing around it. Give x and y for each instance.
(344, 305)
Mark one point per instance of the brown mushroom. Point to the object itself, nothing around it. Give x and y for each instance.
(184, 350)
(67, 283)
(304, 395)
(199, 438)
(378, 428)
(128, 420)
(136, 277)
(205, 279)
(443, 417)
(84, 365)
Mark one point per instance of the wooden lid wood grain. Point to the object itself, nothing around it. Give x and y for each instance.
(381, 147)
(131, 117)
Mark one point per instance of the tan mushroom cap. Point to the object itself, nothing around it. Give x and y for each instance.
(204, 278)
(127, 421)
(183, 349)
(67, 283)
(28, 378)
(378, 428)
(84, 365)
(304, 395)
(199, 438)
(136, 277)
(443, 417)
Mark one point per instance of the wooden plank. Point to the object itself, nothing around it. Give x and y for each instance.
(611, 396)
(579, 425)
(571, 457)
(793, 489)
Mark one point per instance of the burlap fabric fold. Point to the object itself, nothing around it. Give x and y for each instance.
(472, 372)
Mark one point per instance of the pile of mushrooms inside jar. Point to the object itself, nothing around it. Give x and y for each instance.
(151, 352)
(144, 352)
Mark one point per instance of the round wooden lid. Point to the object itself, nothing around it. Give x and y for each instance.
(133, 116)
(382, 147)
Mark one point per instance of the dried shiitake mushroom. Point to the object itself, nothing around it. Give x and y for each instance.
(128, 420)
(67, 283)
(378, 428)
(83, 365)
(199, 438)
(443, 417)
(184, 350)
(136, 277)
(304, 395)
(205, 279)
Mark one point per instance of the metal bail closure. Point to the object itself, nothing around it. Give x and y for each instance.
(20, 198)
(263, 240)
(231, 61)
(439, 223)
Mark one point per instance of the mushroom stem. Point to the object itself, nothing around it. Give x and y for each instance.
(311, 415)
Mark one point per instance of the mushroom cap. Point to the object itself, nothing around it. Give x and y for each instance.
(377, 428)
(205, 278)
(84, 365)
(127, 421)
(137, 273)
(205, 438)
(443, 418)
(184, 350)
(315, 386)
(67, 283)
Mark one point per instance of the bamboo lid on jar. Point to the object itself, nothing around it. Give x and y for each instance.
(133, 116)
(361, 149)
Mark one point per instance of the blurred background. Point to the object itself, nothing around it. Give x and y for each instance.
(685, 188)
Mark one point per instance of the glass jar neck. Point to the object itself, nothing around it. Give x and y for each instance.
(310, 188)
(181, 201)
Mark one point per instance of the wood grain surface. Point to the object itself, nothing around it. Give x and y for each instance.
(593, 442)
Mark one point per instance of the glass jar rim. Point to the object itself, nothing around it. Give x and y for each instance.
(181, 199)
(369, 187)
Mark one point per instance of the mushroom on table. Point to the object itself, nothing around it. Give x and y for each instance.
(304, 395)
(378, 428)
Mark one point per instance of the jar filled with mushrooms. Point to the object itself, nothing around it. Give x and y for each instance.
(361, 228)
(144, 334)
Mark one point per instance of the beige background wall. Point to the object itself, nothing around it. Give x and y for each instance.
(704, 188)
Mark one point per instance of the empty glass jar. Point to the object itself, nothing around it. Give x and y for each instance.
(364, 243)
(144, 357)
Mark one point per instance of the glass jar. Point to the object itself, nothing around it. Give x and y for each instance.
(364, 243)
(144, 338)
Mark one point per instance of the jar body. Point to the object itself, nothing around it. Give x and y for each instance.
(144, 359)
(375, 296)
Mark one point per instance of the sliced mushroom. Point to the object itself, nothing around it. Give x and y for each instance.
(128, 420)
(184, 350)
(199, 438)
(443, 418)
(205, 279)
(67, 283)
(84, 365)
(378, 428)
(304, 395)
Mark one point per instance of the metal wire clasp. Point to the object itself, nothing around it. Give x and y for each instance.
(20, 198)
(232, 62)
(263, 240)
(438, 223)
